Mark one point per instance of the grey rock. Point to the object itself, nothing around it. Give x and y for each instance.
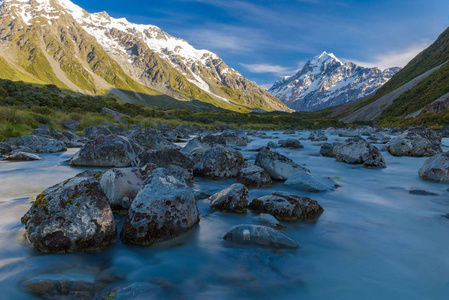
(415, 142)
(38, 144)
(150, 139)
(172, 159)
(22, 156)
(71, 216)
(204, 142)
(217, 162)
(121, 186)
(259, 235)
(286, 206)
(232, 199)
(436, 168)
(278, 166)
(71, 125)
(107, 151)
(254, 177)
(270, 221)
(374, 164)
(304, 181)
(5, 148)
(164, 208)
(327, 150)
(290, 143)
(96, 131)
(357, 151)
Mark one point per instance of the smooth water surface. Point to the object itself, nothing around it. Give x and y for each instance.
(373, 241)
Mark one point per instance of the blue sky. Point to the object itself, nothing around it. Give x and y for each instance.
(266, 39)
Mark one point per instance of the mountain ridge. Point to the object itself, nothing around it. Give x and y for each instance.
(326, 81)
(97, 54)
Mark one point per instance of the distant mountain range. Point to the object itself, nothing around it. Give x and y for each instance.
(57, 42)
(325, 81)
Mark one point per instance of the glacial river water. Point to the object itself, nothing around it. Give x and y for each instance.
(373, 241)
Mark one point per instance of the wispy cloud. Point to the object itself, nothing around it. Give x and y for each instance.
(393, 58)
(267, 68)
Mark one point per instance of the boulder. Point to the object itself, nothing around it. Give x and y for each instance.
(286, 206)
(232, 199)
(254, 177)
(107, 151)
(204, 142)
(278, 166)
(164, 208)
(71, 216)
(436, 168)
(290, 143)
(304, 181)
(150, 139)
(327, 150)
(22, 156)
(270, 221)
(357, 151)
(374, 164)
(96, 131)
(317, 137)
(415, 142)
(71, 125)
(259, 235)
(217, 162)
(5, 148)
(172, 159)
(121, 186)
(234, 139)
(38, 144)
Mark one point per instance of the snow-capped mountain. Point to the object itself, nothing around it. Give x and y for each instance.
(58, 42)
(325, 81)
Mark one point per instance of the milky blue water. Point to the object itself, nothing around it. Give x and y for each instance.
(373, 241)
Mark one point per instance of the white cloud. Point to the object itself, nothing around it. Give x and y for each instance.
(267, 68)
(393, 58)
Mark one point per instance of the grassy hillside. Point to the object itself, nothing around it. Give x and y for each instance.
(24, 105)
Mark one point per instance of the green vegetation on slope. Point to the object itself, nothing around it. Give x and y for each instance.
(23, 106)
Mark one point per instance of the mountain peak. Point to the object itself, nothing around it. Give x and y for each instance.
(323, 58)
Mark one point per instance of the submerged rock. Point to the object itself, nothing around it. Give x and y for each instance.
(416, 142)
(422, 193)
(259, 235)
(278, 166)
(357, 151)
(436, 168)
(232, 199)
(71, 216)
(164, 208)
(304, 181)
(254, 177)
(270, 221)
(107, 151)
(217, 162)
(286, 206)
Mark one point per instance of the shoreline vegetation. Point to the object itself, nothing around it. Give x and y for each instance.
(23, 106)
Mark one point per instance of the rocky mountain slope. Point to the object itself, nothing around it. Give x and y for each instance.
(421, 87)
(325, 81)
(56, 41)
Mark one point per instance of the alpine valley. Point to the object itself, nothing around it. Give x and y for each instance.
(325, 81)
(57, 42)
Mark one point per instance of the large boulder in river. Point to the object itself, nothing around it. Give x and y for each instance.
(415, 142)
(38, 144)
(278, 166)
(71, 216)
(290, 143)
(172, 159)
(259, 235)
(285, 206)
(232, 199)
(150, 139)
(327, 150)
(121, 186)
(357, 151)
(22, 156)
(254, 177)
(217, 162)
(204, 142)
(304, 181)
(96, 131)
(436, 168)
(164, 208)
(5, 148)
(107, 151)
